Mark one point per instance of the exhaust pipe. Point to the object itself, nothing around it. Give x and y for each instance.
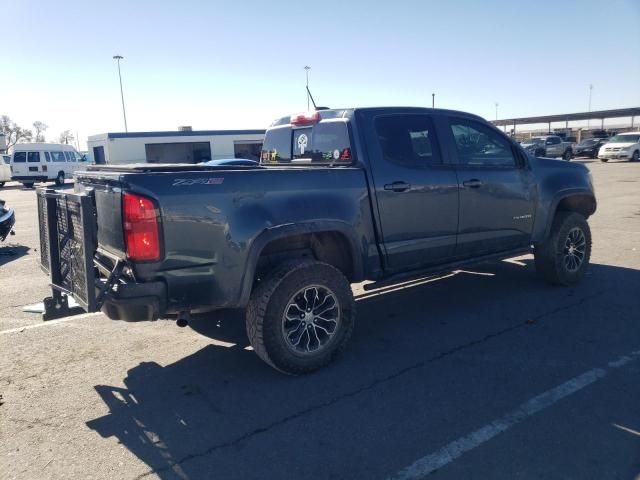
(183, 319)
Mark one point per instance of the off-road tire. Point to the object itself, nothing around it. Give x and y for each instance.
(60, 179)
(550, 255)
(270, 297)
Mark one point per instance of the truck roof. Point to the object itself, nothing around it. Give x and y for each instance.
(348, 112)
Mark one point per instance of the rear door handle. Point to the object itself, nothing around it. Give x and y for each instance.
(397, 186)
(473, 183)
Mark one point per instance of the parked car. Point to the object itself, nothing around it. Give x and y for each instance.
(341, 196)
(5, 168)
(589, 147)
(41, 162)
(7, 220)
(622, 146)
(548, 146)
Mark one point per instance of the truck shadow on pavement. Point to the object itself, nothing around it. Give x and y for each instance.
(222, 413)
(11, 252)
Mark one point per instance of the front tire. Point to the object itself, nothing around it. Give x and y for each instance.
(636, 156)
(564, 257)
(300, 316)
(567, 155)
(604, 160)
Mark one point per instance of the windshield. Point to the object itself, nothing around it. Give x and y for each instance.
(588, 142)
(625, 139)
(323, 143)
(533, 141)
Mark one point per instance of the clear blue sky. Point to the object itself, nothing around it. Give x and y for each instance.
(239, 64)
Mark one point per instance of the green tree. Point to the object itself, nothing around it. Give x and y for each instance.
(13, 132)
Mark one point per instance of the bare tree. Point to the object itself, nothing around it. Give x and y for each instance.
(66, 137)
(13, 132)
(40, 128)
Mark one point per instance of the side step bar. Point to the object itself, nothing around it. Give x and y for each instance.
(440, 269)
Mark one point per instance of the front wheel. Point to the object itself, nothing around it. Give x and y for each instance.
(300, 316)
(564, 257)
(567, 155)
(636, 156)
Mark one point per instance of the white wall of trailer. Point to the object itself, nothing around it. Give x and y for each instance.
(121, 148)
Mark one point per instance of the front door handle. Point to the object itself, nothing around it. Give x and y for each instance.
(473, 183)
(397, 186)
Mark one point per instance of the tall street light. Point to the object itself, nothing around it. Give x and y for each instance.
(590, 91)
(306, 71)
(497, 111)
(117, 58)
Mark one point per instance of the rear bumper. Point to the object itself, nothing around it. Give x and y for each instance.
(29, 178)
(136, 302)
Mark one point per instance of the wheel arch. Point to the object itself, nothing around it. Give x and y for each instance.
(582, 202)
(331, 242)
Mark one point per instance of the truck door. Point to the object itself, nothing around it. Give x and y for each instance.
(416, 191)
(497, 190)
(554, 145)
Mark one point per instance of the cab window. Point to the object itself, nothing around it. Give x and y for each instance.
(478, 145)
(408, 140)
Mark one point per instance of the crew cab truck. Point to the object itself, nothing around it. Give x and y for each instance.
(340, 196)
(551, 146)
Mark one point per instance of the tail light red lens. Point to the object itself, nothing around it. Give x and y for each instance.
(140, 222)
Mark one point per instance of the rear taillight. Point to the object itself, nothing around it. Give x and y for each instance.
(308, 118)
(44, 168)
(140, 222)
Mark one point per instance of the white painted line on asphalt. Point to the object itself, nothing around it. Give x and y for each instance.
(49, 323)
(447, 454)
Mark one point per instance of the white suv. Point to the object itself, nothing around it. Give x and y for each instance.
(622, 146)
(41, 162)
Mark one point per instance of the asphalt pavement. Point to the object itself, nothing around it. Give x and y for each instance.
(485, 373)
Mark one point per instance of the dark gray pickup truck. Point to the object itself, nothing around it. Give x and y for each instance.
(340, 196)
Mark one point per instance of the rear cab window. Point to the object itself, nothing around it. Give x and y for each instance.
(323, 143)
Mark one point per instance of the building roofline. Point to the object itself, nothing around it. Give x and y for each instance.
(174, 133)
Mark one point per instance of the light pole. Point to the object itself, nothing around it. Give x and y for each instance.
(497, 111)
(117, 58)
(433, 100)
(306, 71)
(590, 91)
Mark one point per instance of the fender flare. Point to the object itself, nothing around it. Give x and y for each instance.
(558, 197)
(282, 231)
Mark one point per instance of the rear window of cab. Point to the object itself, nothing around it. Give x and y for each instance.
(324, 143)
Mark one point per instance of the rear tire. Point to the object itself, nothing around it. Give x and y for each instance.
(564, 257)
(300, 316)
(60, 179)
(1, 184)
(567, 155)
(604, 160)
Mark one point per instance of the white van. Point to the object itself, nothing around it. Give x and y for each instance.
(41, 162)
(5, 169)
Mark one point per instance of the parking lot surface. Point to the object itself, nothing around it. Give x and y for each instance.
(482, 373)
